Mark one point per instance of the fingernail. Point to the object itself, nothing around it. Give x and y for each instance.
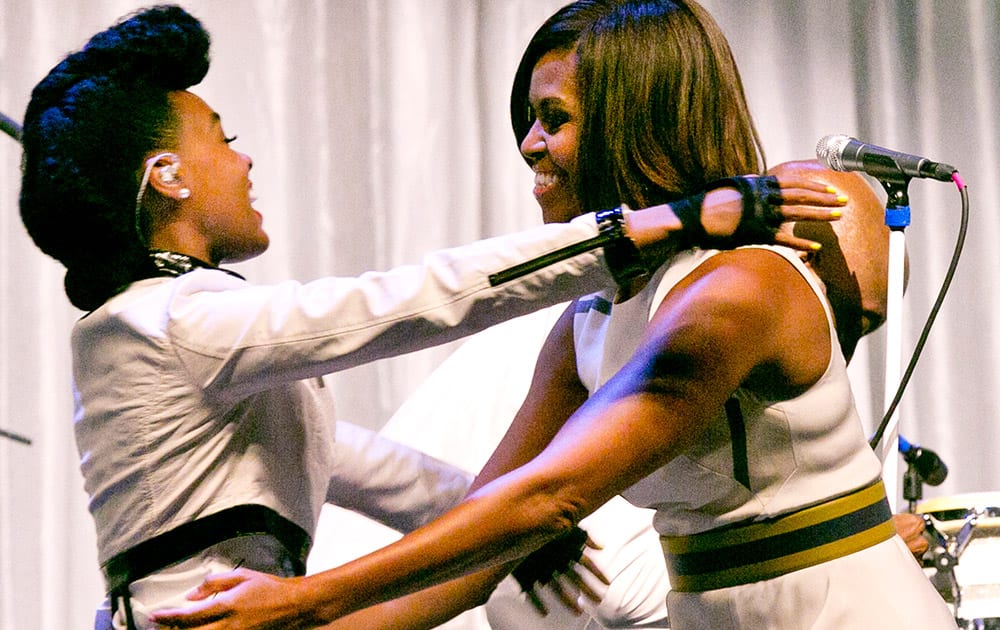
(815, 247)
(842, 198)
(831, 190)
(836, 214)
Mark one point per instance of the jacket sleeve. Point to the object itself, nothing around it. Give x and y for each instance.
(236, 338)
(390, 482)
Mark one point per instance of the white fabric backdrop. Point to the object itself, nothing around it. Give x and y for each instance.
(379, 131)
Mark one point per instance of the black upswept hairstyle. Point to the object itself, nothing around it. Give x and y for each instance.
(87, 129)
(662, 102)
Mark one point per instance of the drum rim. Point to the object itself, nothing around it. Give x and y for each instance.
(967, 501)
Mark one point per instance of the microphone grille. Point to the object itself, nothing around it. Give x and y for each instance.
(830, 151)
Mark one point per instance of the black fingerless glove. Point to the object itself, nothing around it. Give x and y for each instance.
(759, 222)
(554, 557)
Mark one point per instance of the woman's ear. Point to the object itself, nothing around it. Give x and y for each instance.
(166, 178)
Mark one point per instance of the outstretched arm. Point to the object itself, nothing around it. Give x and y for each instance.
(724, 326)
(555, 393)
(554, 386)
(391, 482)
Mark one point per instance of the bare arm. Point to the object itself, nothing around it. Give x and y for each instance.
(555, 393)
(555, 386)
(425, 609)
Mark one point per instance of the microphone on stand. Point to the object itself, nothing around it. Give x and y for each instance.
(844, 153)
(931, 469)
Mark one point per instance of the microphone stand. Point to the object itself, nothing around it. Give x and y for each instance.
(12, 129)
(897, 218)
(913, 487)
(14, 436)
(945, 549)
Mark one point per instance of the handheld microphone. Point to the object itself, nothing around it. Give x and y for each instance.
(844, 153)
(927, 463)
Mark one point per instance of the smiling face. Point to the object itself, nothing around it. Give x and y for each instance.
(551, 143)
(219, 223)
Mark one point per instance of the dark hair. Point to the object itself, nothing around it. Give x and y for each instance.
(87, 129)
(661, 98)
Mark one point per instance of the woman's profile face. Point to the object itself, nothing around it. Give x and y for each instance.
(551, 142)
(219, 209)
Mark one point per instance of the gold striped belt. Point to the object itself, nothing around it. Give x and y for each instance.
(760, 551)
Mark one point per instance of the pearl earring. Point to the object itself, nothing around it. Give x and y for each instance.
(184, 193)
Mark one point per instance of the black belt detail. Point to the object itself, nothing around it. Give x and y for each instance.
(738, 437)
(708, 561)
(184, 541)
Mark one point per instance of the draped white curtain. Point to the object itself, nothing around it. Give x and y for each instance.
(379, 131)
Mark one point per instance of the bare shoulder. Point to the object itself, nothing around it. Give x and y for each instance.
(751, 306)
(753, 278)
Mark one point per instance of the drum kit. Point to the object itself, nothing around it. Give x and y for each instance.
(963, 561)
(963, 532)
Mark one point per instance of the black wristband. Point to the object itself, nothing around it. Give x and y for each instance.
(620, 253)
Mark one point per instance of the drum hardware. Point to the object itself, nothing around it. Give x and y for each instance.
(961, 563)
(945, 550)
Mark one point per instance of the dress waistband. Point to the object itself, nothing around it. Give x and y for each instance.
(737, 555)
(184, 541)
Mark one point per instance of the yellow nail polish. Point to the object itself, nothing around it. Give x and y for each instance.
(836, 214)
(831, 190)
(815, 247)
(841, 198)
